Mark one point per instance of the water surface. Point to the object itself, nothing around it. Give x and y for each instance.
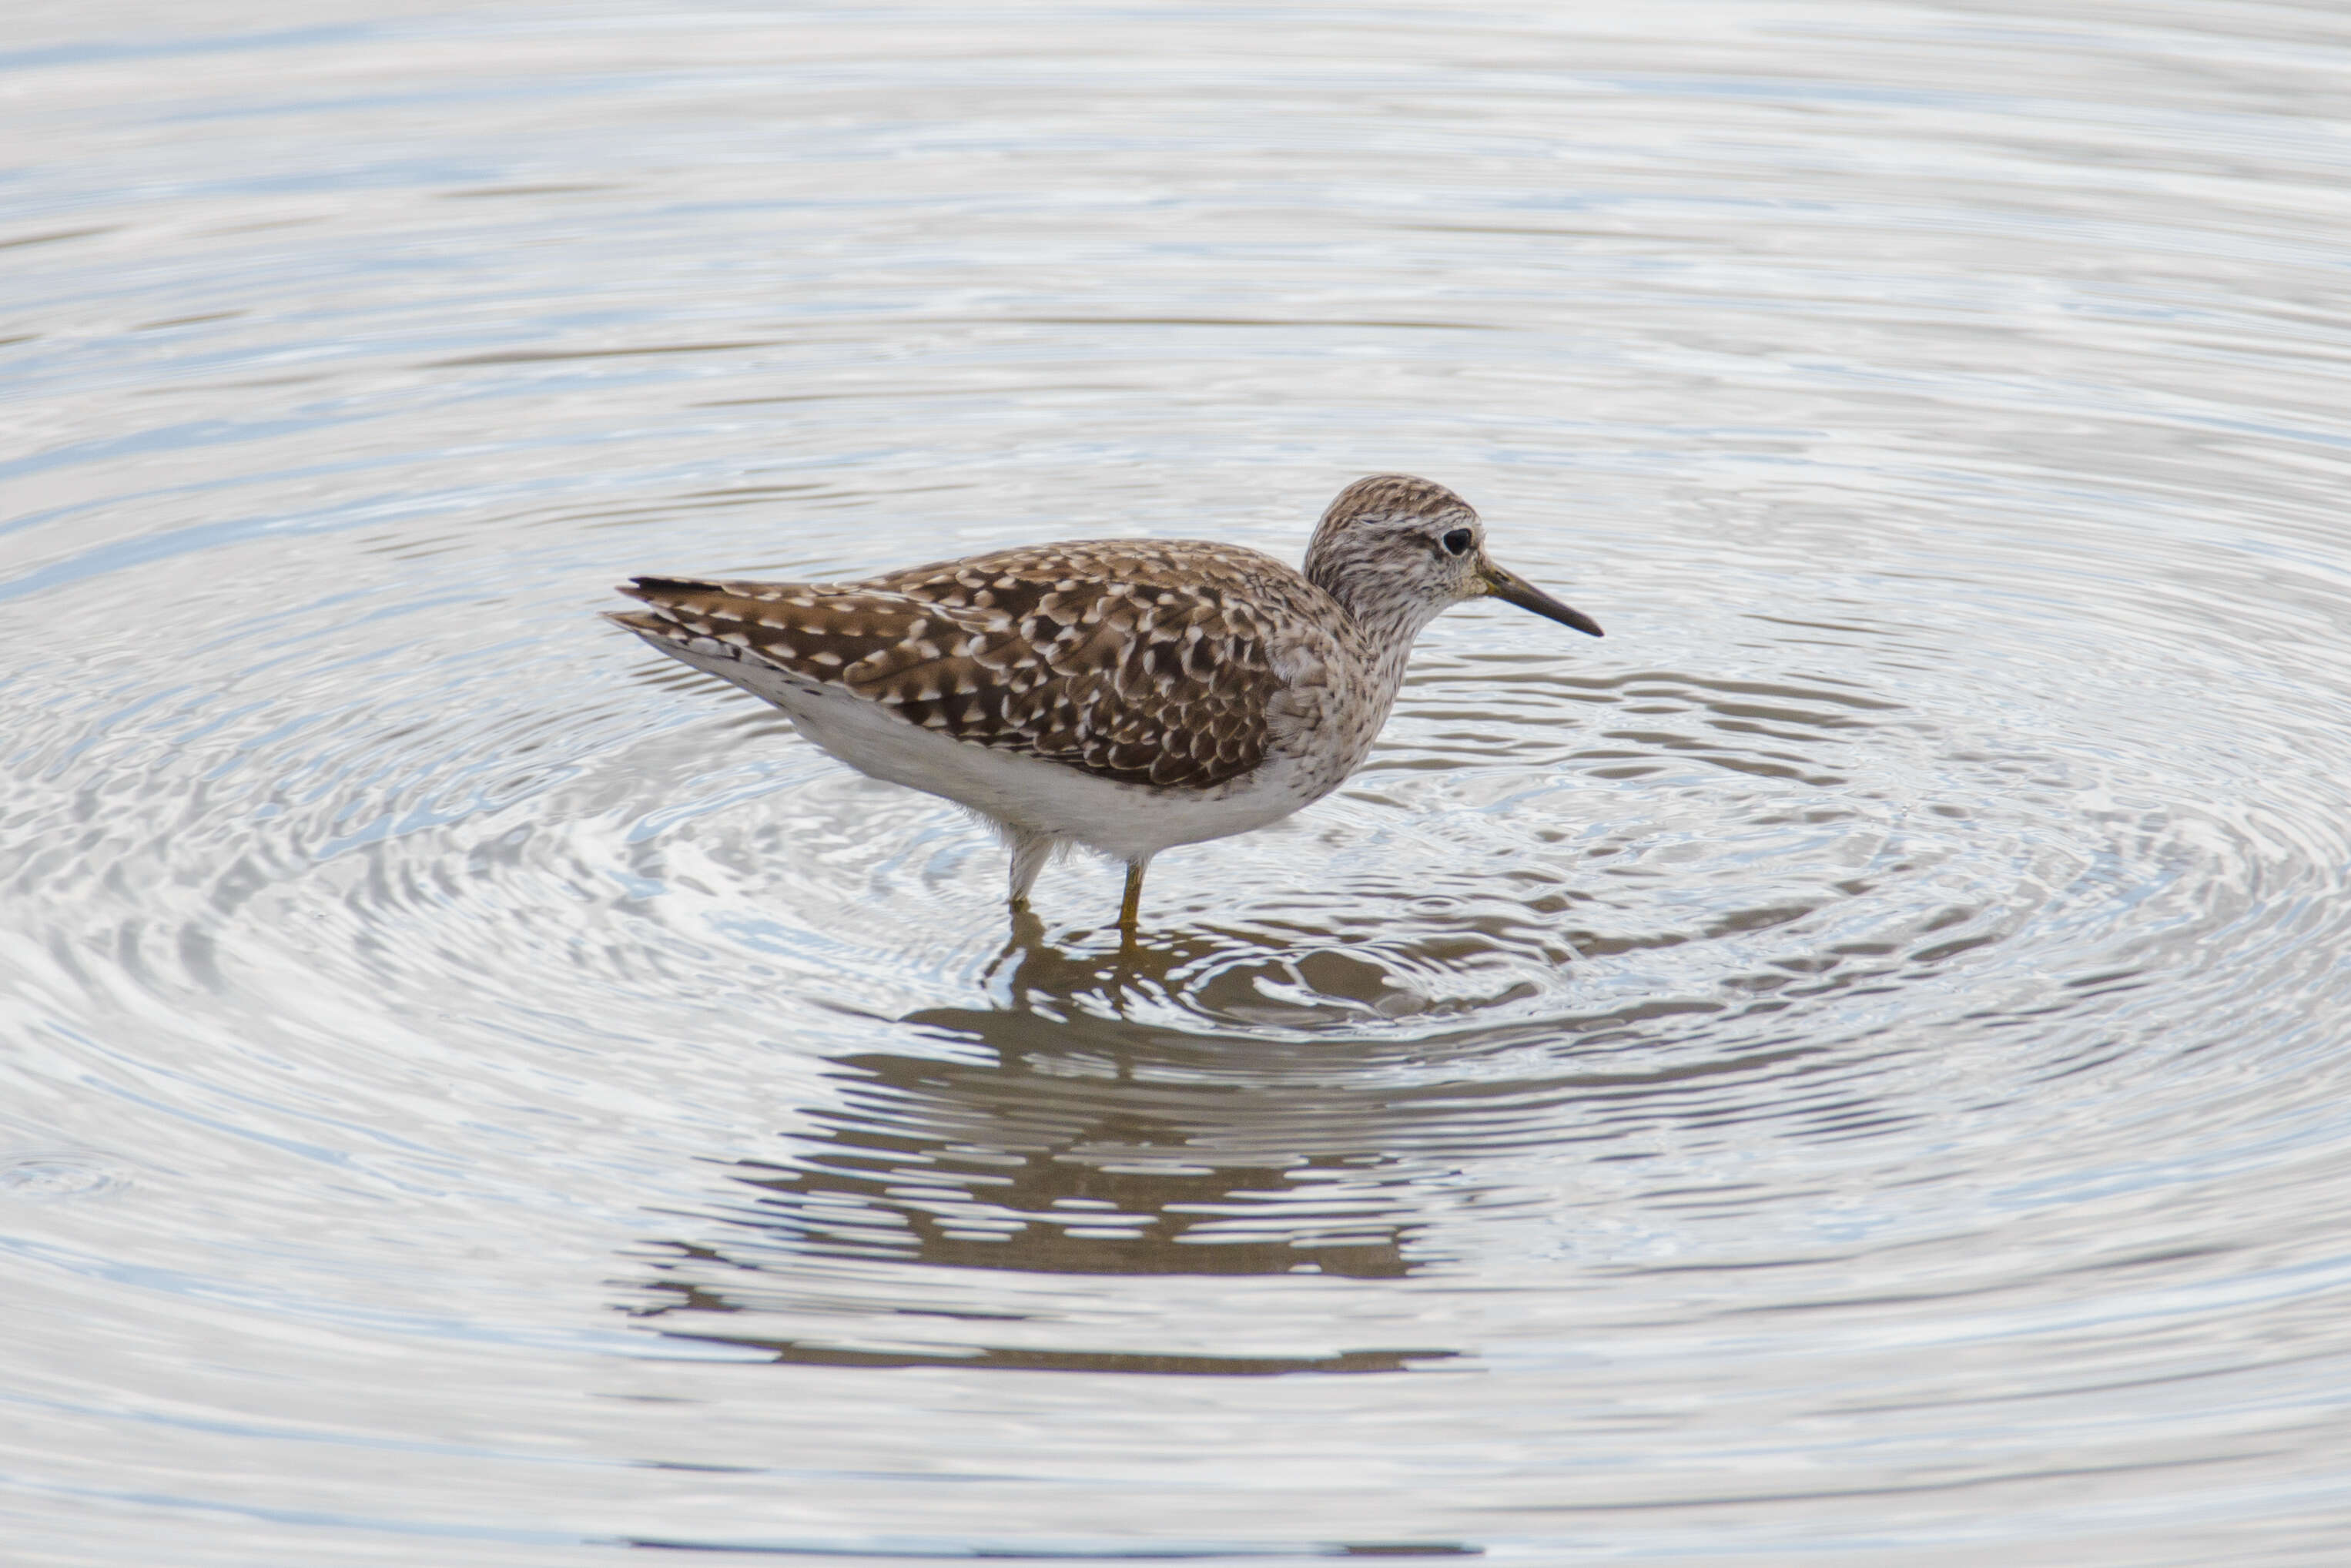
(1850, 1068)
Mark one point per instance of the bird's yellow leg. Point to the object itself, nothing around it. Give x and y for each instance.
(1132, 905)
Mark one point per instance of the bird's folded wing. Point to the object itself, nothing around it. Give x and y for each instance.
(1156, 675)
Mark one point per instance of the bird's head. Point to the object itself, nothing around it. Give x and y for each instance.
(1396, 551)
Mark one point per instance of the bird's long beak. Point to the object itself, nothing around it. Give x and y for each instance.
(1511, 589)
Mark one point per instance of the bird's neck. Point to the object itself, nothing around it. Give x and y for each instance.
(1385, 622)
(1369, 596)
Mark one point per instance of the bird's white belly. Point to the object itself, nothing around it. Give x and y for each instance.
(1129, 821)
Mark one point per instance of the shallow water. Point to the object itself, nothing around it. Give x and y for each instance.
(1850, 1068)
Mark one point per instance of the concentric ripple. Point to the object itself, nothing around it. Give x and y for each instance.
(1850, 1068)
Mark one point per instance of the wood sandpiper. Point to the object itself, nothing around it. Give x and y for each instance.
(1125, 695)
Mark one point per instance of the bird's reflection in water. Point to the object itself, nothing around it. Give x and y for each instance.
(1051, 1140)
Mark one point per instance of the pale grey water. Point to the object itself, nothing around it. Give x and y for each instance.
(1850, 1069)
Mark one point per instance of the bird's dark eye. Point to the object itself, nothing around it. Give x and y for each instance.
(1457, 542)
